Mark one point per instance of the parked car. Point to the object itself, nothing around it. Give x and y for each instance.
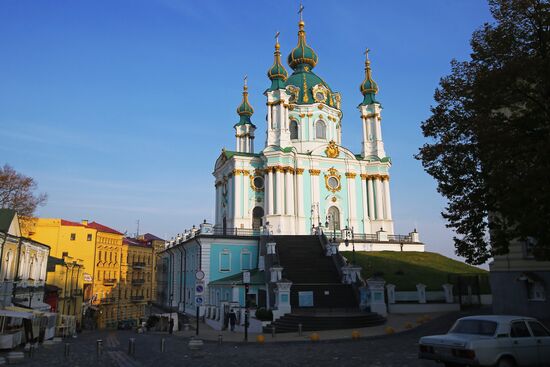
(503, 341)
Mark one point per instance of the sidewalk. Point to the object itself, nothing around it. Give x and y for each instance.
(397, 322)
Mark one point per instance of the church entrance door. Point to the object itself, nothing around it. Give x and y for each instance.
(257, 217)
(333, 217)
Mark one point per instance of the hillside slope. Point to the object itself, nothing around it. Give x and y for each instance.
(406, 269)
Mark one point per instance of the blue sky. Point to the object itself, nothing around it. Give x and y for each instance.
(119, 108)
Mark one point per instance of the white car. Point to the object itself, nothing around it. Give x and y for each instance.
(502, 341)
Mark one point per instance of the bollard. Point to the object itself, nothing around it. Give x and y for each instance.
(99, 347)
(67, 349)
(31, 350)
(162, 345)
(300, 329)
(131, 346)
(220, 339)
(273, 331)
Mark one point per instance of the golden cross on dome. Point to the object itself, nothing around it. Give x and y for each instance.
(301, 10)
(367, 52)
(277, 37)
(245, 82)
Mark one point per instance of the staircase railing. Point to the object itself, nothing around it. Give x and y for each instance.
(340, 262)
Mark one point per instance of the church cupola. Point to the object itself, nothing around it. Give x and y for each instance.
(372, 146)
(244, 129)
(302, 56)
(277, 73)
(368, 87)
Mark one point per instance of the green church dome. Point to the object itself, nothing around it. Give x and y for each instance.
(277, 73)
(368, 87)
(245, 110)
(302, 53)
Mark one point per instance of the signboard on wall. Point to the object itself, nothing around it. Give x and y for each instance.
(87, 277)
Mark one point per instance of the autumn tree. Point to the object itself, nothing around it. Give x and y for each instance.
(489, 135)
(17, 191)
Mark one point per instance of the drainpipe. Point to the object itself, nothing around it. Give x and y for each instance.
(75, 301)
(65, 289)
(181, 271)
(71, 289)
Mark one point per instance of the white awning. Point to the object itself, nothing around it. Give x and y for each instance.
(16, 314)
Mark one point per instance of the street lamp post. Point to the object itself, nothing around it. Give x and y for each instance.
(348, 235)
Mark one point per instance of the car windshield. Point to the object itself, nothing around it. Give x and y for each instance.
(477, 327)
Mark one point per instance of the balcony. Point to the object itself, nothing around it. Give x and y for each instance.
(138, 265)
(138, 281)
(109, 282)
(107, 300)
(137, 298)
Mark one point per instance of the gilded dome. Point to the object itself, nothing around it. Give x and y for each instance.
(368, 87)
(245, 110)
(277, 73)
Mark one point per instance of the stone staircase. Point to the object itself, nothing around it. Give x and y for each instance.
(335, 305)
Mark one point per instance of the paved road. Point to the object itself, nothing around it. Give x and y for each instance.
(393, 350)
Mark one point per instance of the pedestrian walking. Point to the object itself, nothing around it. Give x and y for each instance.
(171, 328)
(232, 319)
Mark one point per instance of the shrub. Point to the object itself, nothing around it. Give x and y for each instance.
(264, 315)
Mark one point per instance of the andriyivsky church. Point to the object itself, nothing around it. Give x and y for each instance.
(283, 214)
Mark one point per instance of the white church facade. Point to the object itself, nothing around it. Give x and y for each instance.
(303, 191)
(304, 177)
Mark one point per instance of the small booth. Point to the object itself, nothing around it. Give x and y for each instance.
(12, 327)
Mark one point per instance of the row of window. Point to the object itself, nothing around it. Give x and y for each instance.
(320, 130)
(88, 237)
(225, 261)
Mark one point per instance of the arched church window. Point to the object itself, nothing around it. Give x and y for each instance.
(257, 217)
(320, 130)
(293, 129)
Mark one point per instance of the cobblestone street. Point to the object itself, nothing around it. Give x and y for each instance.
(392, 350)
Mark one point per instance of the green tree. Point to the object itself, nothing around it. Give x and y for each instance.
(17, 192)
(489, 135)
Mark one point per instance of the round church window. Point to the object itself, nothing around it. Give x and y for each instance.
(333, 182)
(258, 182)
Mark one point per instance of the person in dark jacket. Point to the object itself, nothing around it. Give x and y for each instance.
(232, 319)
(171, 329)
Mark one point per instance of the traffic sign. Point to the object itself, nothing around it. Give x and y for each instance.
(198, 300)
(199, 289)
(199, 275)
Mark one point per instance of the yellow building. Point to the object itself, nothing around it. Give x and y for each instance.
(71, 260)
(158, 245)
(137, 279)
(106, 276)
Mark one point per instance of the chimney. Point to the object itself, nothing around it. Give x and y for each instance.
(85, 222)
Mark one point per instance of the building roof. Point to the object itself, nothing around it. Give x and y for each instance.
(151, 237)
(256, 277)
(70, 223)
(6, 217)
(102, 228)
(135, 242)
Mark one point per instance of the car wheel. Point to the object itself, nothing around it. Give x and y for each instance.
(506, 362)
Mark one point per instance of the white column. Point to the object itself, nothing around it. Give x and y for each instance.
(238, 189)
(279, 193)
(370, 189)
(289, 192)
(364, 202)
(244, 186)
(269, 198)
(379, 201)
(352, 206)
(315, 194)
(217, 213)
(387, 201)
(300, 191)
(230, 200)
